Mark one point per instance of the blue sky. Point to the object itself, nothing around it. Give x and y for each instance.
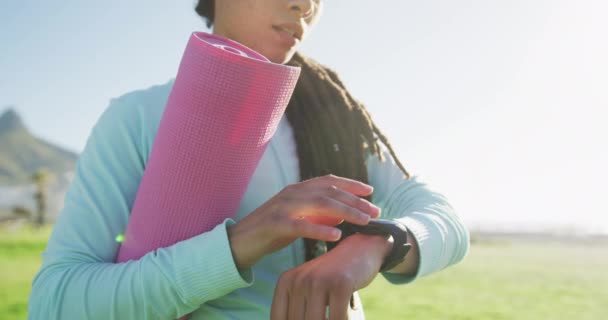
(500, 105)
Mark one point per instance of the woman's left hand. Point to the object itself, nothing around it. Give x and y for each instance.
(304, 291)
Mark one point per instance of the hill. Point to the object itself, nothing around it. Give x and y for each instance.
(22, 153)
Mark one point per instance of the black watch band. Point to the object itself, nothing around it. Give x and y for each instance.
(380, 227)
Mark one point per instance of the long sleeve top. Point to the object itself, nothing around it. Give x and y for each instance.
(78, 278)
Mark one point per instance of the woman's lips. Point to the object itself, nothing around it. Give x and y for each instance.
(285, 37)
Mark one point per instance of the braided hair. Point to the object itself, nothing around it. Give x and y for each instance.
(333, 132)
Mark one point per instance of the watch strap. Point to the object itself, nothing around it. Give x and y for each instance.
(380, 227)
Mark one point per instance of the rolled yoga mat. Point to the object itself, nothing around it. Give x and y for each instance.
(224, 107)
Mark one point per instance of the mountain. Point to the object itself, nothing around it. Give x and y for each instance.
(21, 153)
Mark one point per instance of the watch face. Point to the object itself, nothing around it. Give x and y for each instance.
(380, 227)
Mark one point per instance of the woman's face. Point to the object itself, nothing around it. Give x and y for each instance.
(257, 24)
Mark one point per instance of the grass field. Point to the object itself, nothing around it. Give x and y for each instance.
(498, 280)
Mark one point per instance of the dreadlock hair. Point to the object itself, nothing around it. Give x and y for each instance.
(206, 9)
(334, 132)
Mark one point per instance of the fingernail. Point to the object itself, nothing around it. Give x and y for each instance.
(336, 234)
(377, 211)
(374, 207)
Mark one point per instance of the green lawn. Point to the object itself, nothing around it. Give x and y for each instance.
(498, 280)
(507, 280)
(19, 261)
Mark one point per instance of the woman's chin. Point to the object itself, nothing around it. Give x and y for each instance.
(278, 59)
(281, 57)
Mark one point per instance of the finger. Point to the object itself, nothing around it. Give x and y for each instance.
(339, 303)
(305, 229)
(352, 200)
(296, 305)
(279, 302)
(328, 207)
(316, 305)
(346, 184)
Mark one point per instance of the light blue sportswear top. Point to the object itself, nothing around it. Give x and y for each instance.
(78, 278)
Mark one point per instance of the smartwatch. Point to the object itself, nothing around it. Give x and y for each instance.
(380, 227)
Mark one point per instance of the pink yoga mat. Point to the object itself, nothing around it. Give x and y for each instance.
(224, 107)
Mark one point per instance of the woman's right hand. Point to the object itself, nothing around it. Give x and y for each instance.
(302, 209)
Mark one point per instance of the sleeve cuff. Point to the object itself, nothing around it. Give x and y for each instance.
(420, 233)
(208, 270)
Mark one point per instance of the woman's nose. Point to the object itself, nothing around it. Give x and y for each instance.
(304, 7)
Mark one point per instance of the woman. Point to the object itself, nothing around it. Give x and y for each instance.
(266, 262)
